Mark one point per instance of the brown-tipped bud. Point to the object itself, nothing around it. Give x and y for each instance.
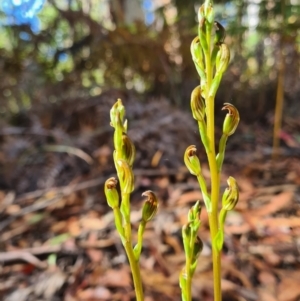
(219, 34)
(197, 104)
(128, 150)
(191, 160)
(126, 177)
(111, 192)
(150, 206)
(223, 58)
(231, 195)
(231, 120)
(117, 111)
(201, 14)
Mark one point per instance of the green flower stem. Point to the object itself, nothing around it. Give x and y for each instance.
(188, 269)
(187, 275)
(213, 222)
(215, 176)
(136, 274)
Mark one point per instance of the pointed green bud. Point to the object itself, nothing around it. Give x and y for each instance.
(126, 177)
(186, 238)
(194, 212)
(111, 192)
(117, 109)
(150, 206)
(231, 195)
(220, 34)
(209, 13)
(192, 161)
(231, 120)
(128, 150)
(222, 59)
(194, 217)
(197, 104)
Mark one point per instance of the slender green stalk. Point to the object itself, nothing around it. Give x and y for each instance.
(124, 155)
(211, 57)
(192, 247)
(215, 187)
(135, 270)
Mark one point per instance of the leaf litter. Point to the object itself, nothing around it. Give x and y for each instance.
(58, 240)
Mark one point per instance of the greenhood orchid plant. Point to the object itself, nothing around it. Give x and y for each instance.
(211, 57)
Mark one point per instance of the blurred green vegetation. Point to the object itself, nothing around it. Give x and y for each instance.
(86, 47)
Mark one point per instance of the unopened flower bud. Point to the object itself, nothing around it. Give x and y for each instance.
(150, 206)
(223, 58)
(196, 52)
(128, 150)
(231, 120)
(125, 176)
(201, 14)
(219, 34)
(197, 104)
(194, 212)
(231, 195)
(186, 238)
(111, 192)
(191, 161)
(209, 13)
(117, 109)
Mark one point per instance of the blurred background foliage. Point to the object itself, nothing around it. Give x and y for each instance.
(56, 51)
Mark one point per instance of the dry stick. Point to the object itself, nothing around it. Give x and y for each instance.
(65, 190)
(29, 254)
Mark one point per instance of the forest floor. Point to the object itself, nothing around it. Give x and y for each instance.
(58, 241)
